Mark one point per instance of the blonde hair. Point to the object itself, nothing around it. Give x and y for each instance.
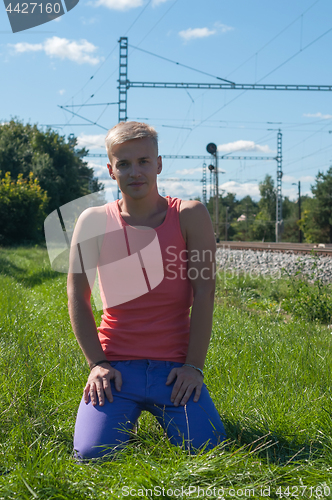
(126, 131)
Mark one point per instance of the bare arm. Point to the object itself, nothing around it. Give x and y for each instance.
(82, 269)
(82, 319)
(200, 243)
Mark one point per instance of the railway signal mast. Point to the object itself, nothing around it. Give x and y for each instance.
(212, 149)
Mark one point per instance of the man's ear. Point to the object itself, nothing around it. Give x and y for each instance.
(160, 164)
(109, 166)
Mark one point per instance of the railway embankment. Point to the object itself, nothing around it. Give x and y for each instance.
(275, 260)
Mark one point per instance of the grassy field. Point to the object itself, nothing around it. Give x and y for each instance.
(268, 371)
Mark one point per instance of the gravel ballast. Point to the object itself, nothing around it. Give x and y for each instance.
(274, 264)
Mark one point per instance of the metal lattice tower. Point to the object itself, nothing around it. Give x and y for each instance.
(204, 200)
(279, 186)
(123, 79)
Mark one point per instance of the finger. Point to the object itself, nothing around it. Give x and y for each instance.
(187, 395)
(108, 390)
(197, 393)
(171, 376)
(175, 390)
(179, 394)
(86, 393)
(117, 380)
(93, 394)
(100, 392)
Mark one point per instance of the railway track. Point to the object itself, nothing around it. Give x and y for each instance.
(300, 248)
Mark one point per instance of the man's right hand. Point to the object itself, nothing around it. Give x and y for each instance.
(98, 384)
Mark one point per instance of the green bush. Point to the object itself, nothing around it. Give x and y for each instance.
(303, 297)
(309, 301)
(22, 208)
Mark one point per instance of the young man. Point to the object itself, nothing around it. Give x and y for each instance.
(155, 259)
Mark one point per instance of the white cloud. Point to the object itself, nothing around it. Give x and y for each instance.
(62, 91)
(188, 171)
(304, 178)
(233, 147)
(292, 193)
(157, 2)
(191, 171)
(241, 190)
(192, 33)
(180, 190)
(75, 51)
(100, 171)
(223, 27)
(61, 48)
(91, 141)
(318, 115)
(118, 4)
(26, 47)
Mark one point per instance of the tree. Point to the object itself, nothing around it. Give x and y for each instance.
(264, 227)
(55, 161)
(290, 215)
(311, 233)
(321, 210)
(22, 208)
(246, 211)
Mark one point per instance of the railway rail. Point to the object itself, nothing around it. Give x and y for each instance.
(300, 248)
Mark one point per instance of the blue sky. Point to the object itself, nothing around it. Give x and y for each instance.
(245, 42)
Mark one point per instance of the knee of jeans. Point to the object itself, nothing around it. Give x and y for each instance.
(86, 453)
(195, 444)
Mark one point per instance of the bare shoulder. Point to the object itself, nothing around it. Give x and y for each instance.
(192, 206)
(91, 223)
(194, 217)
(86, 243)
(93, 213)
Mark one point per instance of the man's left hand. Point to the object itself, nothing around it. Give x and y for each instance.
(187, 380)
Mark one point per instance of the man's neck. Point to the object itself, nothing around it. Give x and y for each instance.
(144, 208)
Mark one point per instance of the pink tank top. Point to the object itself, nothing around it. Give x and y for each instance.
(156, 324)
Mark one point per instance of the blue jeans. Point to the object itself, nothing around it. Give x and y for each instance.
(101, 429)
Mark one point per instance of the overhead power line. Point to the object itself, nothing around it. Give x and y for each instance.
(275, 37)
(83, 118)
(97, 104)
(180, 64)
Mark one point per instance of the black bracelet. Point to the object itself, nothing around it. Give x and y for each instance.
(99, 363)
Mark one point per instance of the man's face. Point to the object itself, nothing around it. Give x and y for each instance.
(135, 165)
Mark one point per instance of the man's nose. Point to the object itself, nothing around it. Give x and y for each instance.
(135, 170)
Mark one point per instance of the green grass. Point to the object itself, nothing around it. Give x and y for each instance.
(268, 371)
